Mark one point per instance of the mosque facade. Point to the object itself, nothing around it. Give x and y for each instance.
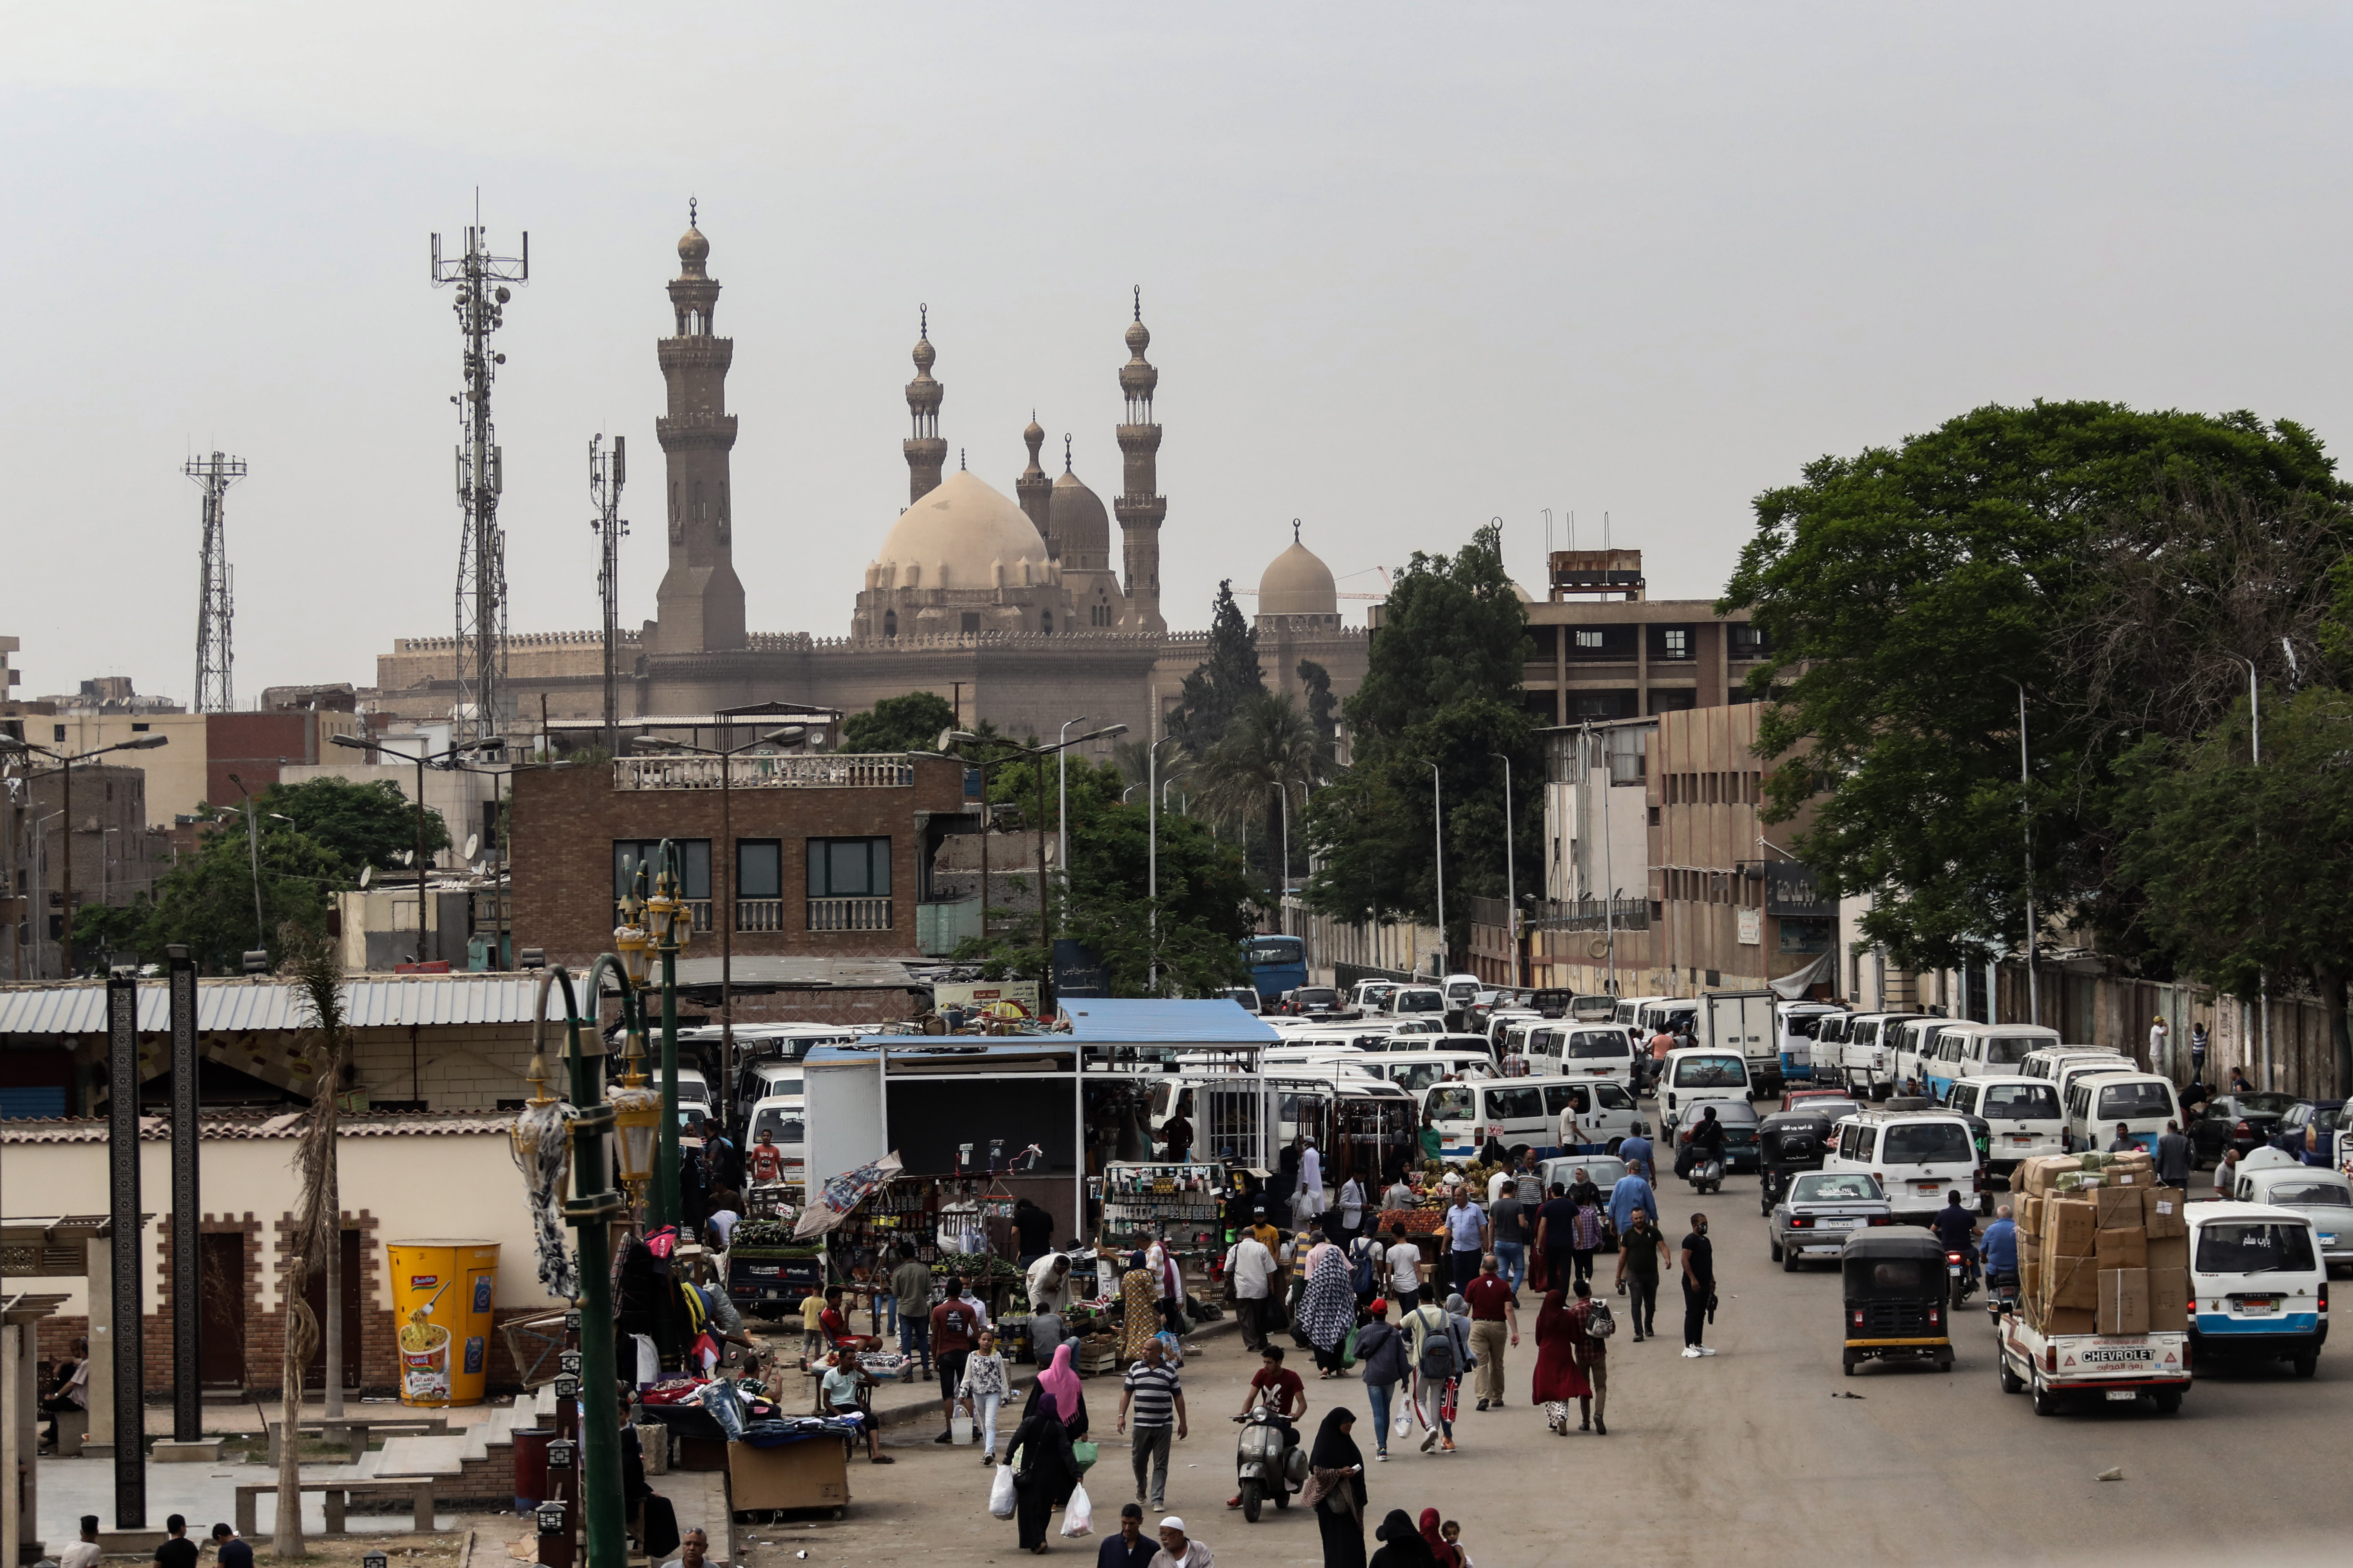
(1011, 607)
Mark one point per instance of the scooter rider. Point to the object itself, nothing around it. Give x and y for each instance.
(1283, 1393)
(1703, 1142)
(1956, 1229)
(2002, 1250)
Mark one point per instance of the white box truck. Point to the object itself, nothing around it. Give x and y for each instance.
(1742, 1021)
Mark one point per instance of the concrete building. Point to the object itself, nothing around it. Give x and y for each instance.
(830, 855)
(1604, 650)
(1011, 607)
(115, 856)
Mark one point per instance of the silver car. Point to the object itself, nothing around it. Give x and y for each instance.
(1823, 1208)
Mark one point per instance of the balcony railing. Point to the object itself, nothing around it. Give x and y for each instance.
(759, 914)
(849, 914)
(833, 771)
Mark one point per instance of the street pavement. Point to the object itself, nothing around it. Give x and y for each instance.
(1754, 1454)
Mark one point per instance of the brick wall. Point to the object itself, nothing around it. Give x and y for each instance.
(564, 821)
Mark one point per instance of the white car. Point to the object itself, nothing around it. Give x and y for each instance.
(1689, 1078)
(1917, 1156)
(2021, 1116)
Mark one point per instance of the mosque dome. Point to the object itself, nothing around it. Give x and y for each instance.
(958, 534)
(1298, 583)
(694, 250)
(1080, 525)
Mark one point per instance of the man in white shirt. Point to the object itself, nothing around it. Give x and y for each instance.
(1404, 1269)
(82, 1553)
(1251, 1267)
(1050, 1280)
(1398, 1194)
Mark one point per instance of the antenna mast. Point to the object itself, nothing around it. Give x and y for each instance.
(213, 599)
(483, 702)
(606, 477)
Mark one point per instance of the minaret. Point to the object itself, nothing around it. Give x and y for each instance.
(926, 453)
(700, 602)
(1138, 508)
(1036, 490)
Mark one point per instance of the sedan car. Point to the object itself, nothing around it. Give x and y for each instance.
(1313, 1002)
(2308, 1131)
(2326, 1195)
(1796, 1097)
(1824, 1208)
(2241, 1122)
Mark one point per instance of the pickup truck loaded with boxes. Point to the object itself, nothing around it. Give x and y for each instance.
(2103, 1284)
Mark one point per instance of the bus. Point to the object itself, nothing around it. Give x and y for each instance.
(1277, 965)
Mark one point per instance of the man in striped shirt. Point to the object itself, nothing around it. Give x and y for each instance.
(1158, 1396)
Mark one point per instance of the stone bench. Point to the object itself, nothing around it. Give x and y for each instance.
(73, 1430)
(353, 1434)
(339, 1496)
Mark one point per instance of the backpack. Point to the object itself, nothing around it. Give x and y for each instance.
(1599, 1322)
(1438, 1360)
(1366, 1273)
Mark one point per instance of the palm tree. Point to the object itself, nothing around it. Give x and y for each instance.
(1269, 749)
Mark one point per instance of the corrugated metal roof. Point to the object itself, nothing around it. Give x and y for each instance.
(801, 973)
(913, 1048)
(372, 1003)
(158, 1129)
(1152, 1021)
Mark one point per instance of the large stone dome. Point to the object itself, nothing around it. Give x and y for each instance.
(1081, 525)
(1298, 583)
(958, 536)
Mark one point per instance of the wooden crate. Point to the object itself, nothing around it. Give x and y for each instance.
(811, 1473)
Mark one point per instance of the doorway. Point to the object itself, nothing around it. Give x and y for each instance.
(315, 1376)
(220, 1346)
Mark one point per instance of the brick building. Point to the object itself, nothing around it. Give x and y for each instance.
(115, 856)
(823, 856)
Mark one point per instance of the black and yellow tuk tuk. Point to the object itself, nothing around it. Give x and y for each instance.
(1788, 1143)
(1895, 1285)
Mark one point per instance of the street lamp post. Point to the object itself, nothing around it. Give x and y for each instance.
(1152, 834)
(420, 757)
(1438, 835)
(2256, 722)
(65, 770)
(666, 912)
(723, 909)
(1062, 800)
(253, 854)
(2026, 826)
(1511, 874)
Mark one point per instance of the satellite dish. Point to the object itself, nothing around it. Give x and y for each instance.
(408, 857)
(473, 842)
(368, 874)
(946, 740)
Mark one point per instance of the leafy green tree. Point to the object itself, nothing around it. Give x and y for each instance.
(1452, 631)
(2248, 867)
(1221, 683)
(206, 902)
(371, 824)
(908, 723)
(1907, 595)
(1323, 708)
(1269, 751)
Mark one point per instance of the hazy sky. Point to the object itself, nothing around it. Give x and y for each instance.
(1406, 267)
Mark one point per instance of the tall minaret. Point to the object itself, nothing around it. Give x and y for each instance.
(1036, 490)
(926, 453)
(700, 602)
(1138, 508)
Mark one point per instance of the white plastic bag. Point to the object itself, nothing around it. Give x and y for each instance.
(1079, 1514)
(1403, 1425)
(1000, 1493)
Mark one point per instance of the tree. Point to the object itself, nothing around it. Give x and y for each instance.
(316, 1225)
(908, 723)
(360, 824)
(1907, 595)
(205, 900)
(1323, 708)
(1221, 683)
(1269, 755)
(1452, 631)
(2248, 867)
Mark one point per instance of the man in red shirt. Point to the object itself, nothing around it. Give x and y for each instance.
(1493, 1311)
(766, 1160)
(954, 1327)
(1285, 1395)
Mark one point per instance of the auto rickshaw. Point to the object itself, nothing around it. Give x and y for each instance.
(1788, 1143)
(1894, 1289)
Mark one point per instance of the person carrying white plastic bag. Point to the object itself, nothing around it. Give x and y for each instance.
(1079, 1514)
(1000, 1493)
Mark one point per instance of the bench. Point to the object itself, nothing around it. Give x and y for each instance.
(339, 1496)
(73, 1430)
(353, 1434)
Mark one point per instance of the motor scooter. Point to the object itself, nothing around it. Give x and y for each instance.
(1956, 1271)
(1268, 1461)
(2001, 1295)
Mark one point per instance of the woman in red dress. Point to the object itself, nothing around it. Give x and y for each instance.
(1559, 1378)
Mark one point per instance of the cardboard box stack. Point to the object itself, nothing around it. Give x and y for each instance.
(2101, 1249)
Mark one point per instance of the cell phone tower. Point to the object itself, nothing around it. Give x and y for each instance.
(607, 474)
(484, 706)
(215, 600)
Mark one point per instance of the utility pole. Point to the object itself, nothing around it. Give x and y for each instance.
(606, 477)
(214, 601)
(1437, 840)
(1511, 875)
(482, 295)
(2026, 825)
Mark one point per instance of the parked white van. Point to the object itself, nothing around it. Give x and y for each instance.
(2259, 1288)
(2044, 1061)
(1581, 1050)
(1918, 1156)
(1798, 1022)
(1417, 1070)
(1629, 1008)
(1688, 1077)
(1985, 1051)
(1604, 1109)
(1912, 1045)
(1867, 1056)
(1509, 1110)
(782, 1117)
(2023, 1118)
(2073, 1073)
(2141, 1102)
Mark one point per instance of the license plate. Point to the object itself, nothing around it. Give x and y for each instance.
(2123, 1395)
(2021, 1139)
(1926, 1187)
(2327, 1238)
(1836, 1223)
(2255, 1308)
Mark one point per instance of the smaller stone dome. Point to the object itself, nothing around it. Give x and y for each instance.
(694, 250)
(1139, 337)
(1080, 525)
(1034, 434)
(927, 356)
(1297, 583)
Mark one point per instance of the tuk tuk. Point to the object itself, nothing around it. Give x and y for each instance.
(1895, 1285)
(1788, 1143)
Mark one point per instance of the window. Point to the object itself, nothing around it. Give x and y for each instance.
(694, 859)
(2254, 1248)
(2134, 1102)
(1612, 1097)
(1711, 1072)
(890, 622)
(1928, 1143)
(1560, 1097)
(1597, 1043)
(2007, 1051)
(849, 867)
(1964, 1098)
(971, 622)
(1516, 1104)
(1835, 1189)
(2312, 1193)
(2021, 1102)
(1671, 642)
(1589, 637)
(1747, 641)
(1046, 621)
(1451, 1103)
(759, 869)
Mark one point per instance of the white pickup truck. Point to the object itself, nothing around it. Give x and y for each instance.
(2121, 1368)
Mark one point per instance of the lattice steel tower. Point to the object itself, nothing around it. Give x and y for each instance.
(606, 477)
(484, 706)
(215, 600)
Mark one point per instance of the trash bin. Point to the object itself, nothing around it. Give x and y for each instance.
(442, 1297)
(530, 1466)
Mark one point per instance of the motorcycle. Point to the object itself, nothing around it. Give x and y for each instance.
(2001, 1296)
(1957, 1270)
(1707, 1174)
(1268, 1462)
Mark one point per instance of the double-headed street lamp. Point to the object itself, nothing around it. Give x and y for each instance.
(421, 757)
(9, 743)
(951, 739)
(722, 907)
